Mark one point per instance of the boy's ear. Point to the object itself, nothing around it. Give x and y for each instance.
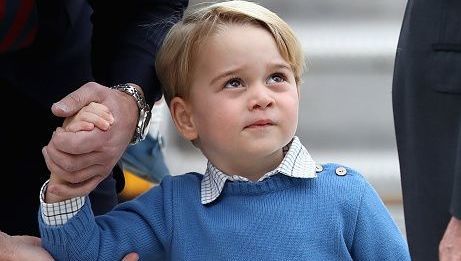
(182, 118)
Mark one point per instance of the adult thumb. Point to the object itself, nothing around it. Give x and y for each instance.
(73, 102)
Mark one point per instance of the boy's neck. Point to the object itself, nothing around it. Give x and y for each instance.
(256, 168)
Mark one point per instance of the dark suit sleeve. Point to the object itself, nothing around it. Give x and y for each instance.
(126, 37)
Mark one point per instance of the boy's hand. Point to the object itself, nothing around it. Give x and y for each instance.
(86, 156)
(90, 116)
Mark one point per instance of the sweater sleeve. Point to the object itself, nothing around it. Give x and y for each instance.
(376, 235)
(142, 225)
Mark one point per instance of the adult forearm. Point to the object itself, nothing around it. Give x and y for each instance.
(126, 39)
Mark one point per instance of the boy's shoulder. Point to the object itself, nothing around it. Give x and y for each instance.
(337, 170)
(343, 185)
(340, 176)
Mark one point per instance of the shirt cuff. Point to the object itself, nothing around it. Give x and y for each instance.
(57, 214)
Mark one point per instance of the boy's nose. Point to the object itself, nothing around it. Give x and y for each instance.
(260, 98)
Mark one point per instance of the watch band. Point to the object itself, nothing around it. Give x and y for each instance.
(142, 127)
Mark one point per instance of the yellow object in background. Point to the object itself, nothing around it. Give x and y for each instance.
(134, 185)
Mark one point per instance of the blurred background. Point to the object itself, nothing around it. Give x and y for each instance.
(346, 106)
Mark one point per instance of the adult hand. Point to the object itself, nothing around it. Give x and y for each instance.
(83, 159)
(450, 246)
(22, 248)
(131, 257)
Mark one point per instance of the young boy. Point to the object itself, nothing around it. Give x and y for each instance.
(231, 73)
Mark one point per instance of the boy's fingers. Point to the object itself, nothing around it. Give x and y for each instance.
(99, 107)
(93, 118)
(107, 116)
(100, 110)
(80, 126)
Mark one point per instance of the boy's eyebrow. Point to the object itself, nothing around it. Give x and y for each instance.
(281, 66)
(278, 65)
(223, 75)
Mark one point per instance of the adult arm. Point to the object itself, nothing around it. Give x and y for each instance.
(126, 37)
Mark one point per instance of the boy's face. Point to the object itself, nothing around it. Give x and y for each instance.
(243, 99)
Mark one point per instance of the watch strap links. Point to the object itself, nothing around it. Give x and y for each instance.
(143, 109)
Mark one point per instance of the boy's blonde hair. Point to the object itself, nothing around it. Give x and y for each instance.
(175, 58)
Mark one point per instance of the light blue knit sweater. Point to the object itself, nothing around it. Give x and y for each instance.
(282, 218)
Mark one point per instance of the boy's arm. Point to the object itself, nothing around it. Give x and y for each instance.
(143, 225)
(376, 235)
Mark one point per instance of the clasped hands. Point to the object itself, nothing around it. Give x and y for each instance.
(82, 159)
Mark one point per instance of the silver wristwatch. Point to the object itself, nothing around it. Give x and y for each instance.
(142, 128)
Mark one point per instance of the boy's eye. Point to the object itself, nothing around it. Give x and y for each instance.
(276, 78)
(233, 83)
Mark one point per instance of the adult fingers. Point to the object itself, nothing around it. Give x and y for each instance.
(70, 190)
(79, 175)
(74, 162)
(30, 240)
(22, 248)
(131, 257)
(5, 241)
(79, 142)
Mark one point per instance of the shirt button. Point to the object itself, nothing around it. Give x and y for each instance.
(318, 168)
(341, 171)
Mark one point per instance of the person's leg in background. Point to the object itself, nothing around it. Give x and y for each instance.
(427, 115)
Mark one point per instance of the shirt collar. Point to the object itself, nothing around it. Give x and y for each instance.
(297, 163)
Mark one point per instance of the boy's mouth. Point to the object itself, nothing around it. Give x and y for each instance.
(260, 124)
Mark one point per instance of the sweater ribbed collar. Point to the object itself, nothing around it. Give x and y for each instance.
(297, 163)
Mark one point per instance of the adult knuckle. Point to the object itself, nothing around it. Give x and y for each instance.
(77, 177)
(69, 166)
